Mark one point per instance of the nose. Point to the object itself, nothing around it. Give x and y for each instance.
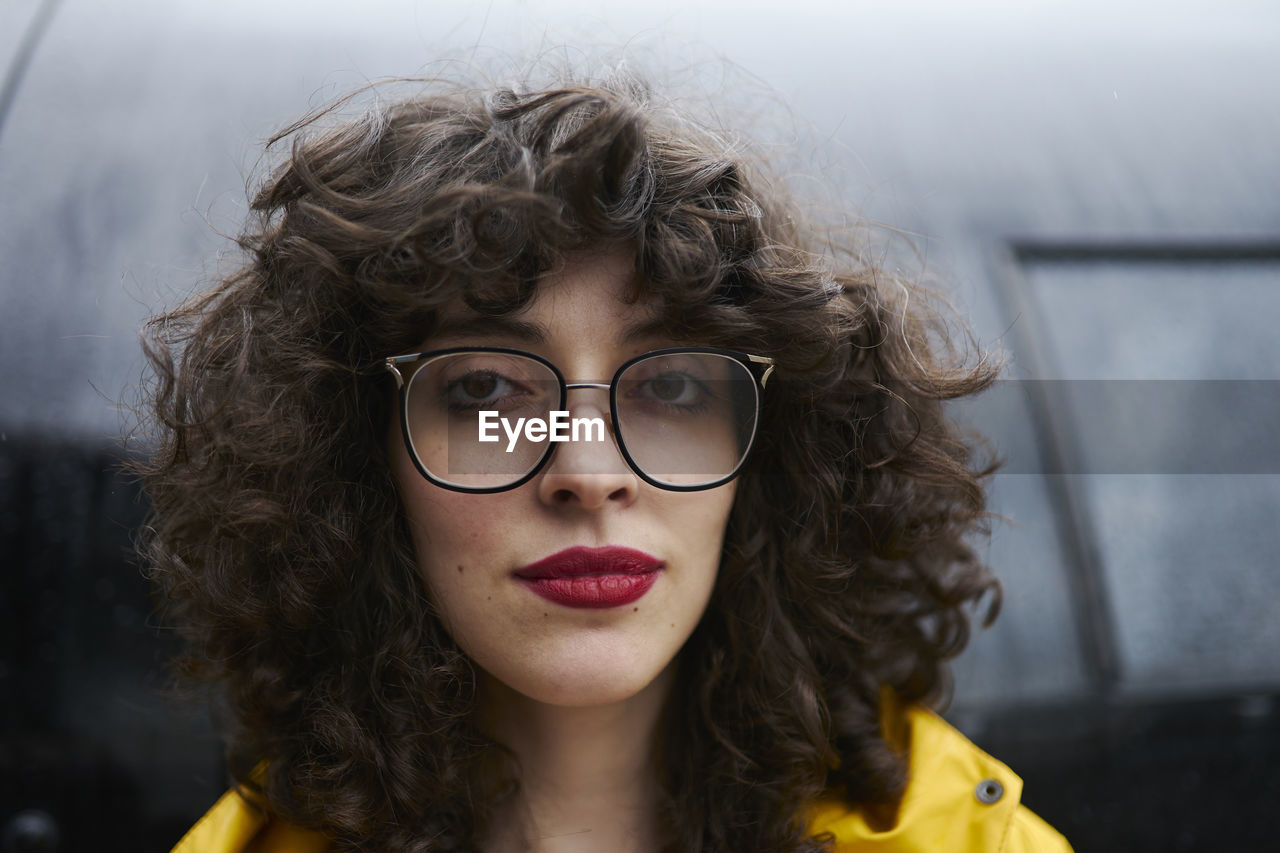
(588, 473)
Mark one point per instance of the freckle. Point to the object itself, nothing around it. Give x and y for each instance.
(544, 615)
(635, 610)
(673, 624)
(459, 568)
(488, 598)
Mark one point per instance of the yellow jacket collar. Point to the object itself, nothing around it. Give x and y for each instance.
(958, 798)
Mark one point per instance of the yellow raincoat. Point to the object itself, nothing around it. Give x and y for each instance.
(958, 800)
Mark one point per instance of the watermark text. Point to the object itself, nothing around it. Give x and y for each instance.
(560, 427)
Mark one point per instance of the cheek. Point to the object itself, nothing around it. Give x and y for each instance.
(714, 514)
(445, 527)
(455, 551)
(699, 524)
(449, 532)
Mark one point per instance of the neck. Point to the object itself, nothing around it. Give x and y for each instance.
(588, 780)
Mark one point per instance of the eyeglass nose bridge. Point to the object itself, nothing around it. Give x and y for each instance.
(610, 434)
(603, 386)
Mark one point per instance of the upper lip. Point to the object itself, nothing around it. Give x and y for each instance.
(581, 560)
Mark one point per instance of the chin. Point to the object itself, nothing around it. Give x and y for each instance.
(590, 677)
(588, 692)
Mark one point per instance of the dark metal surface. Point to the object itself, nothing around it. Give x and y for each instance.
(93, 741)
(1172, 775)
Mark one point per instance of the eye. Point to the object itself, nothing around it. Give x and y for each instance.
(673, 387)
(478, 386)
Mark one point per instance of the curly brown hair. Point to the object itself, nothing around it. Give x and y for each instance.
(280, 548)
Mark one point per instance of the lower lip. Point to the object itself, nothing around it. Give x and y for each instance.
(593, 591)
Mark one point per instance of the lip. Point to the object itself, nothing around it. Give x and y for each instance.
(593, 578)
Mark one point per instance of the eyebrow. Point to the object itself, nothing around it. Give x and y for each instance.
(476, 326)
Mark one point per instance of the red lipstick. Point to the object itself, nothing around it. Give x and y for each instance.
(592, 577)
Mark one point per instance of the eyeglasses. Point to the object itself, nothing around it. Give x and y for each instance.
(486, 419)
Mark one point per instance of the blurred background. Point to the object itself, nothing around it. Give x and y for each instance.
(1095, 186)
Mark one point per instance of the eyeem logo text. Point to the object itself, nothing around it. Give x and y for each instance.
(559, 428)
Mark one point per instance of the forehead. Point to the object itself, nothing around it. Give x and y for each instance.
(592, 296)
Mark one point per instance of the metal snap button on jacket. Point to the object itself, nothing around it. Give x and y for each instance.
(989, 791)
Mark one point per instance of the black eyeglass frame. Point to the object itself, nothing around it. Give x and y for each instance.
(759, 366)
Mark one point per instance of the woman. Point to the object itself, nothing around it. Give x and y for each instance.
(711, 622)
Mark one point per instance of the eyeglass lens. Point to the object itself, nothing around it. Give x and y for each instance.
(685, 418)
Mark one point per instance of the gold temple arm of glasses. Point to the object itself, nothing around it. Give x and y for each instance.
(390, 364)
(763, 359)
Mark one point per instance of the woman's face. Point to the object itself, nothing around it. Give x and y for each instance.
(584, 639)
